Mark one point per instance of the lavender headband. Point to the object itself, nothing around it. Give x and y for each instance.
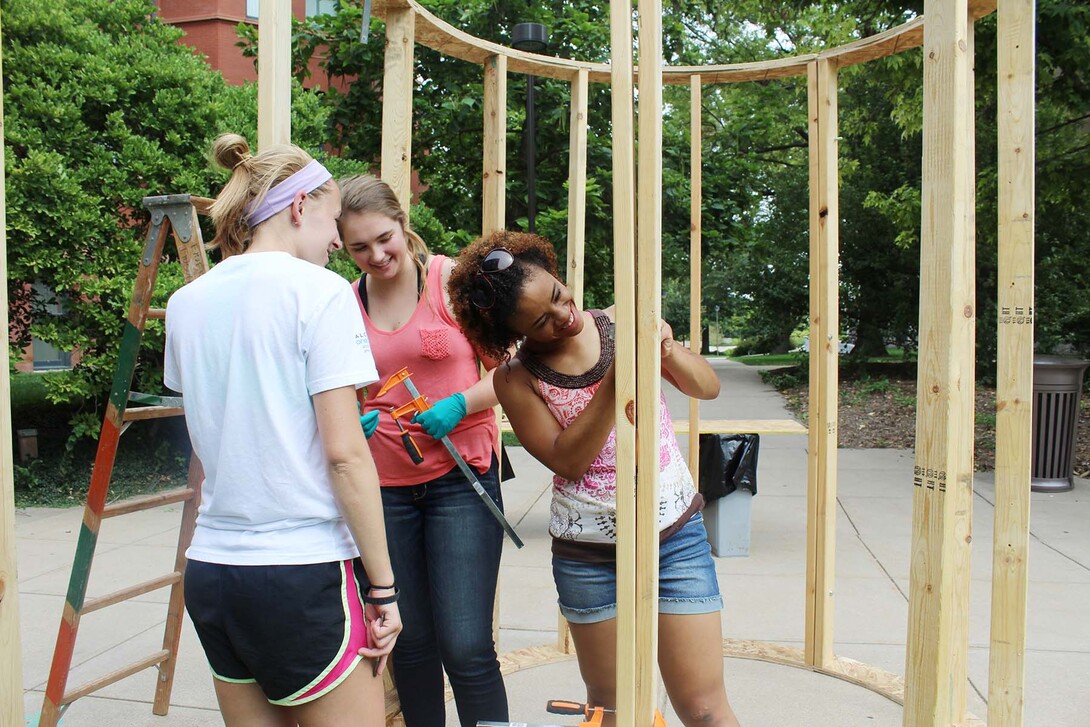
(307, 179)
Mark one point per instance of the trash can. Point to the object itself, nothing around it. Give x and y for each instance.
(728, 481)
(1057, 384)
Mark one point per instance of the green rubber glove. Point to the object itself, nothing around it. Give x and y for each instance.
(443, 416)
(369, 422)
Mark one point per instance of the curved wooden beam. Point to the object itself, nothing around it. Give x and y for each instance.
(439, 35)
(879, 681)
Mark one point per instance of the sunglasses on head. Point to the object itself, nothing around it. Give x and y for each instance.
(494, 262)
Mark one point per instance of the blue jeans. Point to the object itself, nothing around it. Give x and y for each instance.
(445, 550)
(687, 581)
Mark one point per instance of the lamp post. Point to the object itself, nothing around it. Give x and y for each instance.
(531, 38)
(718, 334)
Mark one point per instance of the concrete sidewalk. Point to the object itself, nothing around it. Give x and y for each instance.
(763, 592)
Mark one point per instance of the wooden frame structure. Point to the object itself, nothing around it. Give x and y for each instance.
(933, 690)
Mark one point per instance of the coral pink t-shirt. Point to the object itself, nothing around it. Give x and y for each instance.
(441, 362)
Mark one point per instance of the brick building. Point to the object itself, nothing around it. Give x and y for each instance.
(209, 27)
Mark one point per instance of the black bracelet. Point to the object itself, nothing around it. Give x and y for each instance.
(382, 588)
(383, 600)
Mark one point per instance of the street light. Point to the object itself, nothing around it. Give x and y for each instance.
(718, 334)
(531, 38)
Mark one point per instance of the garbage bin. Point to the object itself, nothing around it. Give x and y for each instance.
(1057, 384)
(728, 481)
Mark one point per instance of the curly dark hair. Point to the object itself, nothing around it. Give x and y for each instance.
(487, 329)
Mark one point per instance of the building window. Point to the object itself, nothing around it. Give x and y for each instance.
(46, 357)
(321, 7)
(252, 9)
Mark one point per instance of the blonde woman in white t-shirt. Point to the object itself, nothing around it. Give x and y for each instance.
(288, 582)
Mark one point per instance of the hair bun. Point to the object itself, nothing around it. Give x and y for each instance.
(230, 150)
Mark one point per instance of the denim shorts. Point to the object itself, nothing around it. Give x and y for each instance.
(687, 581)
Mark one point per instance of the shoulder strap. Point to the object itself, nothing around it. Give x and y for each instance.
(362, 287)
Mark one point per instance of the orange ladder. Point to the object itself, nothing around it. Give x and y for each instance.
(171, 215)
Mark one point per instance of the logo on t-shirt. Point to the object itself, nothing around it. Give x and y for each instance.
(362, 341)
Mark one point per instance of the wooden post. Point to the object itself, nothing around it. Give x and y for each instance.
(577, 184)
(494, 185)
(696, 308)
(397, 103)
(935, 672)
(274, 73)
(1014, 376)
(648, 355)
(11, 653)
(624, 276)
(824, 362)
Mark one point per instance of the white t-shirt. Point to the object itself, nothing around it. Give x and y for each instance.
(248, 343)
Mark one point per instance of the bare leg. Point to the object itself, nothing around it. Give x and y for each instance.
(691, 660)
(358, 701)
(596, 649)
(245, 705)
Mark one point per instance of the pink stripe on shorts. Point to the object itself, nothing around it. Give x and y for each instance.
(358, 637)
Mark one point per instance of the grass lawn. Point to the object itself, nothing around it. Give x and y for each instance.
(795, 358)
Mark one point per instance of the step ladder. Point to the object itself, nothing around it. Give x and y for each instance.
(171, 216)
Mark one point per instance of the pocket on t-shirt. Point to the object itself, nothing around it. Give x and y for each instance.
(435, 343)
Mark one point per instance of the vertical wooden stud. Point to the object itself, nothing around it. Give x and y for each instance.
(624, 276)
(824, 352)
(935, 672)
(494, 182)
(648, 354)
(696, 176)
(11, 654)
(397, 103)
(1014, 377)
(274, 73)
(577, 184)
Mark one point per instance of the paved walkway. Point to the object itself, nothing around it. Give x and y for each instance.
(763, 592)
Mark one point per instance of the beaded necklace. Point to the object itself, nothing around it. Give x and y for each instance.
(580, 381)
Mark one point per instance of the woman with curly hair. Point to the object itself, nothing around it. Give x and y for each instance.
(559, 393)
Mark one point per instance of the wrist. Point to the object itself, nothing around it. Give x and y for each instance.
(389, 595)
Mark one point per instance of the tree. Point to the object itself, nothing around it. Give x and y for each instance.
(755, 221)
(104, 107)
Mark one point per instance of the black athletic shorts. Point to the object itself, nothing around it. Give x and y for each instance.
(295, 630)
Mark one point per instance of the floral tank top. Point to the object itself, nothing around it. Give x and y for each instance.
(586, 510)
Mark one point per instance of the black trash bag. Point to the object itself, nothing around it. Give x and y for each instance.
(728, 462)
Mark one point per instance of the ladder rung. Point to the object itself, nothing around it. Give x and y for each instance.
(146, 502)
(151, 412)
(94, 604)
(157, 313)
(157, 658)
